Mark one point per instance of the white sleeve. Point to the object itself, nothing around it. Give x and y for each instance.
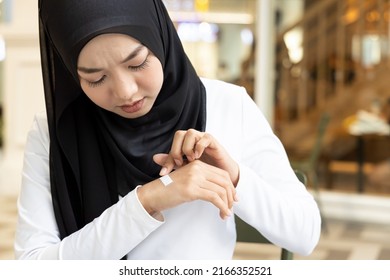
(110, 236)
(271, 198)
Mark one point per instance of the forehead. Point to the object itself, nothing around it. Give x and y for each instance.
(113, 45)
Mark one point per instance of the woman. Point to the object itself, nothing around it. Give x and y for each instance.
(124, 107)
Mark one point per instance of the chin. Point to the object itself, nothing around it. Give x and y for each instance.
(135, 115)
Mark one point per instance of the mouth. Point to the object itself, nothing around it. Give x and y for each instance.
(133, 107)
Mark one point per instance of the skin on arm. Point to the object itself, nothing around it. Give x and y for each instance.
(193, 145)
(194, 181)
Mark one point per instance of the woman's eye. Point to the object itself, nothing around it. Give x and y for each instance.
(97, 83)
(141, 66)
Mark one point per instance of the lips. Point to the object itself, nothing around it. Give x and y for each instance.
(133, 107)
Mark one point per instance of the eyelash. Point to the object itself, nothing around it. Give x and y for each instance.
(140, 67)
(97, 83)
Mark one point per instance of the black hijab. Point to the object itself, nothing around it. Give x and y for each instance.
(95, 154)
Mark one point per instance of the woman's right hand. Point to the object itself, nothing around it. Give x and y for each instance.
(196, 145)
(193, 181)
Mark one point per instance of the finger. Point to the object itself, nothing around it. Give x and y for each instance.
(199, 180)
(236, 199)
(215, 199)
(220, 191)
(206, 141)
(160, 159)
(176, 147)
(224, 180)
(221, 178)
(166, 162)
(189, 143)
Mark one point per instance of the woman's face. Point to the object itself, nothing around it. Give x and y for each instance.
(120, 74)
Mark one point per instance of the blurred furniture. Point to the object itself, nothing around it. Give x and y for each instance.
(309, 165)
(246, 233)
(365, 126)
(361, 140)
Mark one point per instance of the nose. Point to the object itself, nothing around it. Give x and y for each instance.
(125, 87)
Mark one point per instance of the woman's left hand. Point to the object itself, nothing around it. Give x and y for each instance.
(192, 145)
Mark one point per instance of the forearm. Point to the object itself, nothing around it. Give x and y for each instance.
(280, 208)
(110, 236)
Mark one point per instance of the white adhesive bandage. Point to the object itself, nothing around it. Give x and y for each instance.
(166, 180)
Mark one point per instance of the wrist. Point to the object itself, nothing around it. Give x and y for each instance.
(146, 195)
(235, 177)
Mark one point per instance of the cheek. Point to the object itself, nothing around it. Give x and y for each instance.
(154, 79)
(156, 83)
(95, 95)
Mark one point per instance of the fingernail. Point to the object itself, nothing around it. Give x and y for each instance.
(163, 171)
(196, 155)
(190, 158)
(177, 162)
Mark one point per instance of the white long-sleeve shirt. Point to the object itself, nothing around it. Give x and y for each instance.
(271, 199)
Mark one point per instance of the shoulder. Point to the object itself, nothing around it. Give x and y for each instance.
(220, 93)
(40, 123)
(38, 136)
(215, 87)
(224, 94)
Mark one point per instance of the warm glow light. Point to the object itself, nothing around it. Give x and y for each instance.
(351, 15)
(202, 5)
(2, 48)
(373, 16)
(293, 40)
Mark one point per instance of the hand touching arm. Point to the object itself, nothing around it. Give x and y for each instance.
(194, 181)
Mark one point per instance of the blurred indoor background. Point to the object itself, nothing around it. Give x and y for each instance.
(318, 69)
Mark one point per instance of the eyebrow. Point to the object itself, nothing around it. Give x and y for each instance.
(133, 54)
